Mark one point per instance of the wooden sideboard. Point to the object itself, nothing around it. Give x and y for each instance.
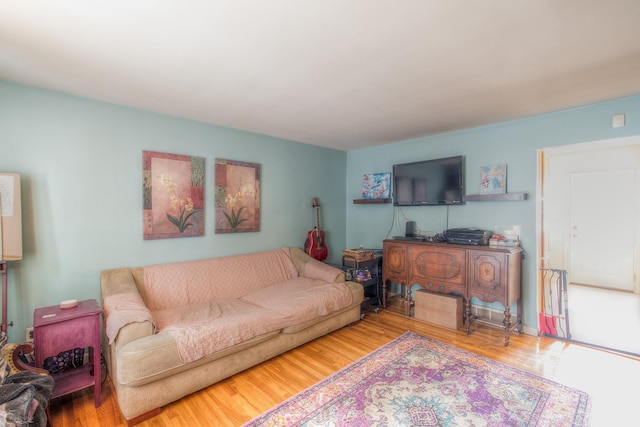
(486, 273)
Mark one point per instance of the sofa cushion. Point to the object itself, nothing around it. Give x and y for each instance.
(156, 357)
(202, 329)
(208, 327)
(183, 284)
(301, 299)
(357, 294)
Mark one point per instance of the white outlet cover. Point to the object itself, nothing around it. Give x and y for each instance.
(618, 120)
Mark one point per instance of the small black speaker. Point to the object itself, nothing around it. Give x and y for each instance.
(410, 229)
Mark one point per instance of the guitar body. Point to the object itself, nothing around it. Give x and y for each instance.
(315, 245)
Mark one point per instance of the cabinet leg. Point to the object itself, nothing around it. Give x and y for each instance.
(384, 294)
(467, 316)
(519, 315)
(407, 298)
(507, 326)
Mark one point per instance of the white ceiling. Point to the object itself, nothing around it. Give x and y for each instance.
(345, 74)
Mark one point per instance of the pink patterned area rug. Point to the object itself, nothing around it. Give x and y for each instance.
(418, 381)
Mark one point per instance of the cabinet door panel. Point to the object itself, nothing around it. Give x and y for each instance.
(394, 260)
(487, 276)
(436, 264)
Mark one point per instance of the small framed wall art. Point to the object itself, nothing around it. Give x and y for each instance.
(376, 185)
(493, 179)
(237, 196)
(173, 195)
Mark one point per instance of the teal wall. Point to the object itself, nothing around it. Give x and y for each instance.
(515, 143)
(81, 173)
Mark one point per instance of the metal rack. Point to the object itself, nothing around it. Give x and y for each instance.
(367, 272)
(554, 319)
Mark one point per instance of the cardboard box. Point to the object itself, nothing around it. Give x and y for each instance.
(441, 309)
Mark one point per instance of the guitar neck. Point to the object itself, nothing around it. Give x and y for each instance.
(317, 245)
(316, 204)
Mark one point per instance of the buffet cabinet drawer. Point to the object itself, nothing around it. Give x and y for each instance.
(438, 268)
(443, 288)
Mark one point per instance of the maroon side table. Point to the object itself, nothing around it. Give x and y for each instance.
(58, 329)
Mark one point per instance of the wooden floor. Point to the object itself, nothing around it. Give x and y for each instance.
(612, 380)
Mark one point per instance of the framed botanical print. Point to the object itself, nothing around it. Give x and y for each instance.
(173, 195)
(237, 196)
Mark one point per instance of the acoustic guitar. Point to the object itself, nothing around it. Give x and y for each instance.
(316, 244)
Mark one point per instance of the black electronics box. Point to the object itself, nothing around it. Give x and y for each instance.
(468, 236)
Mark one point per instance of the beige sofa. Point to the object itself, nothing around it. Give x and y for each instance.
(173, 329)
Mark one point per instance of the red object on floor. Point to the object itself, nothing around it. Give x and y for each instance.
(548, 324)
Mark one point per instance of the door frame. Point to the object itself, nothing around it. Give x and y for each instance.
(543, 154)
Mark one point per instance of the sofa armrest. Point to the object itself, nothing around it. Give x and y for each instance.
(132, 332)
(125, 313)
(314, 269)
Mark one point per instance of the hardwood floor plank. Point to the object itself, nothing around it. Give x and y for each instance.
(238, 399)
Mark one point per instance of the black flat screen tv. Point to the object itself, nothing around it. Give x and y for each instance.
(429, 182)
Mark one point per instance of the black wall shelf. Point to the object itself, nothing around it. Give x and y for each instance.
(466, 198)
(494, 197)
(370, 201)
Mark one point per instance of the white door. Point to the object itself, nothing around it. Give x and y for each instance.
(603, 222)
(590, 213)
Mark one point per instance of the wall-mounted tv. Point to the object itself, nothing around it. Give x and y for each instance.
(429, 182)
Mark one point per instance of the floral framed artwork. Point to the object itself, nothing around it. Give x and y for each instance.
(493, 179)
(237, 196)
(376, 185)
(173, 195)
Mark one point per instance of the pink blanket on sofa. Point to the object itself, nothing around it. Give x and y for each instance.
(120, 310)
(207, 327)
(192, 282)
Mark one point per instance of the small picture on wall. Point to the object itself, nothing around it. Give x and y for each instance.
(173, 195)
(376, 186)
(493, 179)
(237, 196)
